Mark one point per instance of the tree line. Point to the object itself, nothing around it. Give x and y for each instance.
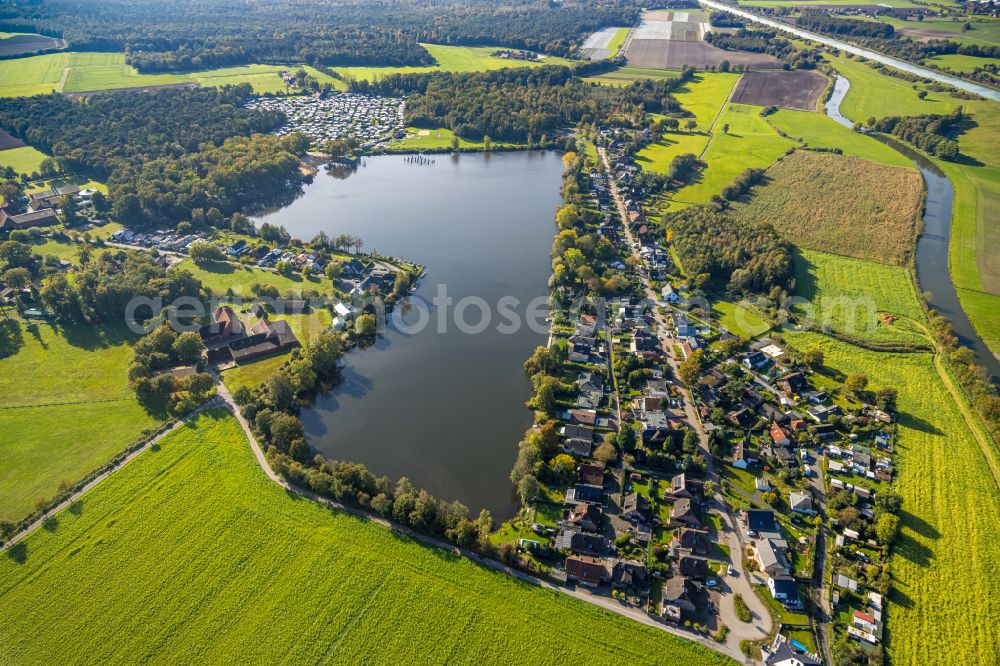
(766, 41)
(932, 133)
(196, 34)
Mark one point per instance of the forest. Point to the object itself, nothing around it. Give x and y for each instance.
(199, 34)
(744, 257)
(823, 22)
(167, 154)
(521, 104)
(932, 133)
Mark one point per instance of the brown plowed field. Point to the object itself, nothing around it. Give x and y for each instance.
(796, 89)
(7, 141)
(20, 44)
(674, 54)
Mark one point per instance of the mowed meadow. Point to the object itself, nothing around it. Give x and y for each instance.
(945, 596)
(189, 554)
(65, 408)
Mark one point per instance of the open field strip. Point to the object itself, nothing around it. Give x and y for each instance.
(847, 294)
(900, 4)
(975, 231)
(946, 589)
(817, 130)
(984, 31)
(961, 63)
(626, 75)
(57, 428)
(156, 559)
(450, 59)
(220, 277)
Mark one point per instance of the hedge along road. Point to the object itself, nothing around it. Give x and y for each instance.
(962, 84)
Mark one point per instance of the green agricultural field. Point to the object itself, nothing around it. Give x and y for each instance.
(961, 63)
(845, 205)
(32, 76)
(984, 31)
(751, 142)
(220, 277)
(618, 40)
(58, 427)
(103, 71)
(191, 554)
(975, 229)
(818, 130)
(449, 59)
(946, 590)
(705, 95)
(847, 295)
(24, 160)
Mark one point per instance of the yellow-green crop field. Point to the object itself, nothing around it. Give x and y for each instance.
(189, 554)
(945, 595)
(817, 130)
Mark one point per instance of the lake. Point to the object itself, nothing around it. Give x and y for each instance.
(445, 409)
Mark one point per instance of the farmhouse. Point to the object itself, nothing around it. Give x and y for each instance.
(44, 217)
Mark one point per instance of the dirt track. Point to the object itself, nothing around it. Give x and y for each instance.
(796, 89)
(673, 54)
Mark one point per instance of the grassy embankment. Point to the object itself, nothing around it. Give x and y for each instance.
(191, 554)
(65, 408)
(974, 250)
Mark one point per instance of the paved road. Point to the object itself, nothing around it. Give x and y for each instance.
(761, 624)
(961, 84)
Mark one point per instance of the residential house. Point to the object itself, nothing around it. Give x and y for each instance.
(693, 567)
(770, 557)
(636, 508)
(756, 361)
(586, 570)
(587, 517)
(786, 652)
(801, 502)
(761, 523)
(793, 383)
(681, 598)
(591, 473)
(581, 543)
(681, 486)
(584, 492)
(785, 590)
(226, 326)
(779, 436)
(587, 417)
(630, 577)
(692, 541)
(687, 513)
(741, 458)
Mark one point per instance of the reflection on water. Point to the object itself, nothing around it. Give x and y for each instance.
(444, 409)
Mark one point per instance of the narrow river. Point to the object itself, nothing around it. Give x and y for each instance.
(932, 245)
(441, 406)
(961, 84)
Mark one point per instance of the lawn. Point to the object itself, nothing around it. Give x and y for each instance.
(817, 130)
(750, 142)
(422, 138)
(449, 59)
(946, 589)
(847, 295)
(190, 554)
(844, 205)
(738, 319)
(25, 160)
(65, 409)
(220, 277)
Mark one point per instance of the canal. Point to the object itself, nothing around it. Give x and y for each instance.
(441, 406)
(932, 245)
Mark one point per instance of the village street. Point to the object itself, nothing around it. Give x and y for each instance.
(740, 584)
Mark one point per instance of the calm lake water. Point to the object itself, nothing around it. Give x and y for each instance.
(444, 409)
